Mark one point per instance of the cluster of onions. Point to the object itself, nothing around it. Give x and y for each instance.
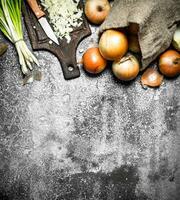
(113, 46)
(169, 66)
(121, 48)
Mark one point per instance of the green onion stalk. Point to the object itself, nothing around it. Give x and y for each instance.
(11, 26)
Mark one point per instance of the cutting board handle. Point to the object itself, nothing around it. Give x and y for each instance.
(70, 70)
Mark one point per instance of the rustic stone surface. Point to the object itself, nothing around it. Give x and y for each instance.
(89, 138)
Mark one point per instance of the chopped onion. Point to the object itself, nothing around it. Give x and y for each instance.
(63, 15)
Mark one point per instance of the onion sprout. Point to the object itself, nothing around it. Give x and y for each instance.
(11, 26)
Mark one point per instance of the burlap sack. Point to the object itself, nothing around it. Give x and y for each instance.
(157, 21)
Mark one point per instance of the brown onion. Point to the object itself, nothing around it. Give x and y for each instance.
(93, 61)
(127, 68)
(113, 44)
(97, 10)
(169, 63)
(151, 77)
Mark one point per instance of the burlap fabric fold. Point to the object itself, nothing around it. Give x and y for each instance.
(157, 21)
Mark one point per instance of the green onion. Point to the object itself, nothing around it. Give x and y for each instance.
(11, 26)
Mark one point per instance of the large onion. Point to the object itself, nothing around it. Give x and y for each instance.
(97, 10)
(127, 68)
(169, 63)
(93, 61)
(113, 44)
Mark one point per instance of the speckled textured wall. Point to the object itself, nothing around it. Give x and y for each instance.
(90, 138)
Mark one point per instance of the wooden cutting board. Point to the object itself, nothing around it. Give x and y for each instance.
(65, 52)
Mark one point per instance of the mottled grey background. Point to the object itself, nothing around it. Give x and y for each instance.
(90, 138)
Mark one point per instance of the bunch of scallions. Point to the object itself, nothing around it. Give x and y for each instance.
(11, 26)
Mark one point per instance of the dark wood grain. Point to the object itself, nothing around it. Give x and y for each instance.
(65, 52)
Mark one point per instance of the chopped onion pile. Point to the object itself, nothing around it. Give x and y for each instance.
(63, 15)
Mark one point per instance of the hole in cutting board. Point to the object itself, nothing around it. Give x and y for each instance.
(70, 68)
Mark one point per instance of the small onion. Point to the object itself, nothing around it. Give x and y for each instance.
(113, 44)
(151, 77)
(169, 63)
(127, 68)
(176, 39)
(93, 61)
(97, 10)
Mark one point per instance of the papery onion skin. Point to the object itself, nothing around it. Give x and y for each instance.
(126, 68)
(93, 62)
(97, 10)
(151, 77)
(113, 44)
(169, 63)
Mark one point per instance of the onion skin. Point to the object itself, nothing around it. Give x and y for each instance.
(97, 10)
(169, 63)
(93, 62)
(127, 68)
(113, 45)
(151, 77)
